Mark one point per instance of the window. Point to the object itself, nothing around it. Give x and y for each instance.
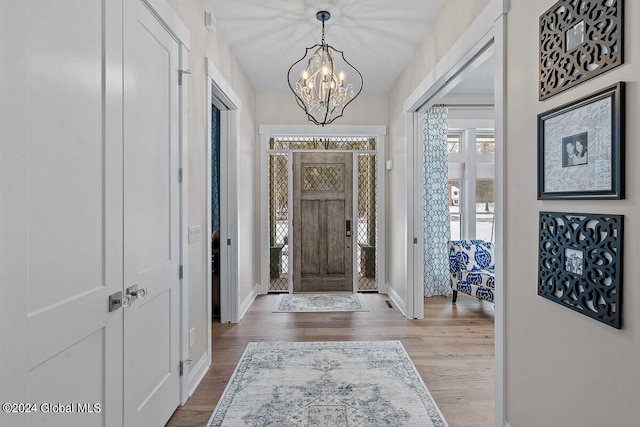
(485, 209)
(485, 143)
(471, 182)
(454, 140)
(455, 194)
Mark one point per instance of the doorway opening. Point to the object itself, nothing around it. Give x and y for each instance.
(464, 59)
(215, 212)
(365, 207)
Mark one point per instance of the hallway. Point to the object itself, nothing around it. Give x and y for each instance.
(452, 348)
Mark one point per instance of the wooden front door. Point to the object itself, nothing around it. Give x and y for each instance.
(322, 222)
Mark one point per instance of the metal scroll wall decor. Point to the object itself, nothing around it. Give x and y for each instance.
(580, 263)
(579, 39)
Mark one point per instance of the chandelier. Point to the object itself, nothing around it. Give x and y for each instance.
(319, 80)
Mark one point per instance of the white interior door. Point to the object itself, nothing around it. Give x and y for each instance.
(151, 218)
(61, 213)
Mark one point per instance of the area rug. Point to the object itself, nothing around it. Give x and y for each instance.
(361, 383)
(302, 303)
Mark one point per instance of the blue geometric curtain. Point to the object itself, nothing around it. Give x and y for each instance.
(437, 231)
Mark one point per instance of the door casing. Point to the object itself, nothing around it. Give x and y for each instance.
(376, 131)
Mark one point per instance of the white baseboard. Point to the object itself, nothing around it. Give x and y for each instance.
(197, 373)
(506, 424)
(383, 288)
(397, 300)
(244, 307)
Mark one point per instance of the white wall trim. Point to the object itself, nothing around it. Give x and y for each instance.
(170, 20)
(264, 221)
(221, 94)
(197, 373)
(414, 244)
(222, 89)
(477, 35)
(487, 30)
(397, 300)
(246, 304)
(185, 384)
(500, 101)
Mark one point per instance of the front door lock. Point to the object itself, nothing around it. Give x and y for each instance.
(348, 228)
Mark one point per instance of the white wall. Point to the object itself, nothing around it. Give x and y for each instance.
(562, 368)
(205, 44)
(453, 20)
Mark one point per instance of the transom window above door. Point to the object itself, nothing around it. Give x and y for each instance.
(352, 143)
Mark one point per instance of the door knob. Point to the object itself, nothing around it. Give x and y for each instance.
(116, 301)
(136, 293)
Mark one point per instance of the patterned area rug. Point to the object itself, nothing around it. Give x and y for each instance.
(302, 303)
(326, 384)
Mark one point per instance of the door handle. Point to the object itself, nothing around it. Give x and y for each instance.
(348, 228)
(116, 301)
(136, 293)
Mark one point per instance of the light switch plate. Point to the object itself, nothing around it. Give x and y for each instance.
(194, 233)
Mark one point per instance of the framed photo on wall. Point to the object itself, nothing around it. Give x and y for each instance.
(580, 263)
(581, 148)
(578, 41)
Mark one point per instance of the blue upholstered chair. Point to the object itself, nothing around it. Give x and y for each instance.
(472, 268)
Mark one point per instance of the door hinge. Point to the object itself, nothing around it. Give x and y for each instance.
(180, 175)
(180, 74)
(415, 240)
(228, 242)
(180, 272)
(182, 363)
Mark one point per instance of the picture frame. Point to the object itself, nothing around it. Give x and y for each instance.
(579, 40)
(581, 147)
(580, 263)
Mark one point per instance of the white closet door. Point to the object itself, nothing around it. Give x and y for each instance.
(61, 213)
(151, 218)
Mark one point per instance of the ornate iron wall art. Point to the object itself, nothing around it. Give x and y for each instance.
(579, 39)
(580, 263)
(581, 148)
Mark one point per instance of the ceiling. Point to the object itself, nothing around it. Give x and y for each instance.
(377, 36)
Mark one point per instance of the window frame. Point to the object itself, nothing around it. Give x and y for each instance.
(469, 129)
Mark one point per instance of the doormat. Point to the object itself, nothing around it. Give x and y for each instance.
(310, 303)
(361, 383)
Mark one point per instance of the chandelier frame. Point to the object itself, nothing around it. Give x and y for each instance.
(331, 99)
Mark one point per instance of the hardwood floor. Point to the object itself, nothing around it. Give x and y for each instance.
(452, 348)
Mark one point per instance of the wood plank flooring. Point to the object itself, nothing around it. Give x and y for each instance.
(452, 348)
